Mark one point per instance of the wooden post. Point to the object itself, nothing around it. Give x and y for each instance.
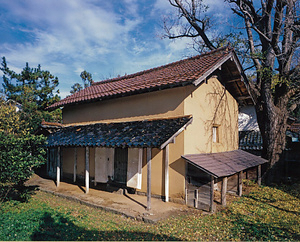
(224, 191)
(211, 193)
(75, 165)
(167, 174)
(259, 175)
(87, 169)
(58, 167)
(148, 178)
(196, 198)
(240, 183)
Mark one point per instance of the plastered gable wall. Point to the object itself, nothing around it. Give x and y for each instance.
(158, 104)
(211, 105)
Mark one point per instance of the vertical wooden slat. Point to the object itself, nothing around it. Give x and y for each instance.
(212, 183)
(148, 178)
(240, 183)
(58, 167)
(167, 174)
(75, 165)
(224, 191)
(259, 175)
(87, 169)
(48, 161)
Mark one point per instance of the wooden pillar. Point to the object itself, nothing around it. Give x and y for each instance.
(224, 191)
(196, 198)
(75, 165)
(58, 167)
(240, 183)
(259, 175)
(87, 169)
(167, 174)
(148, 178)
(212, 184)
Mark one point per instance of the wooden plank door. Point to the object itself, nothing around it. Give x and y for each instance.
(120, 165)
(52, 162)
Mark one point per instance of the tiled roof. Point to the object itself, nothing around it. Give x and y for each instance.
(172, 75)
(224, 163)
(250, 140)
(295, 127)
(148, 133)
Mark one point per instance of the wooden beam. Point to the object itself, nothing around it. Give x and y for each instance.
(212, 184)
(167, 173)
(148, 178)
(75, 165)
(240, 183)
(259, 175)
(196, 198)
(224, 191)
(58, 167)
(87, 169)
(172, 138)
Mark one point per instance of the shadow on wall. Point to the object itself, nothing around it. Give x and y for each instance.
(56, 226)
(223, 118)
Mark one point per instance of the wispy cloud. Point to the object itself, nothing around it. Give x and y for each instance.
(106, 38)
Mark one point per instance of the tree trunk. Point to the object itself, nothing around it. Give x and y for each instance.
(272, 122)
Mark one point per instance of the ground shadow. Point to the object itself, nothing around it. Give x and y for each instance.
(56, 227)
(17, 193)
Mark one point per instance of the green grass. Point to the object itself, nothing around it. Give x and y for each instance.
(266, 213)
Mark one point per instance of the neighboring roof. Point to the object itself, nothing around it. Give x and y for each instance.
(295, 127)
(193, 70)
(47, 128)
(148, 133)
(250, 140)
(224, 163)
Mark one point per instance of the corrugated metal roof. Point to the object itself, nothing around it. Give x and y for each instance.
(224, 163)
(147, 133)
(175, 74)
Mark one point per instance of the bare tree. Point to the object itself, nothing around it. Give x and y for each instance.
(272, 30)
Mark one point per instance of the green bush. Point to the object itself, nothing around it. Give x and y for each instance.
(19, 156)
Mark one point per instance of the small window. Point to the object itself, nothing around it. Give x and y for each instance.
(215, 134)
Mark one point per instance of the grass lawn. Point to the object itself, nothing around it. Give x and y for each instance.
(266, 213)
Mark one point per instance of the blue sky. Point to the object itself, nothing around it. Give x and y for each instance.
(106, 38)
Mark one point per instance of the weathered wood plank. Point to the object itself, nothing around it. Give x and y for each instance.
(148, 178)
(224, 191)
(259, 175)
(211, 204)
(240, 183)
(75, 164)
(87, 169)
(58, 168)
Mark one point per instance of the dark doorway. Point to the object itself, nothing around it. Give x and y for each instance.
(52, 162)
(120, 165)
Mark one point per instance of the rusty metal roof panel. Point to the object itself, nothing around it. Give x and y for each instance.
(224, 163)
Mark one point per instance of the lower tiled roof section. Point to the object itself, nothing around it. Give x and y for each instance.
(147, 133)
(224, 163)
(250, 140)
